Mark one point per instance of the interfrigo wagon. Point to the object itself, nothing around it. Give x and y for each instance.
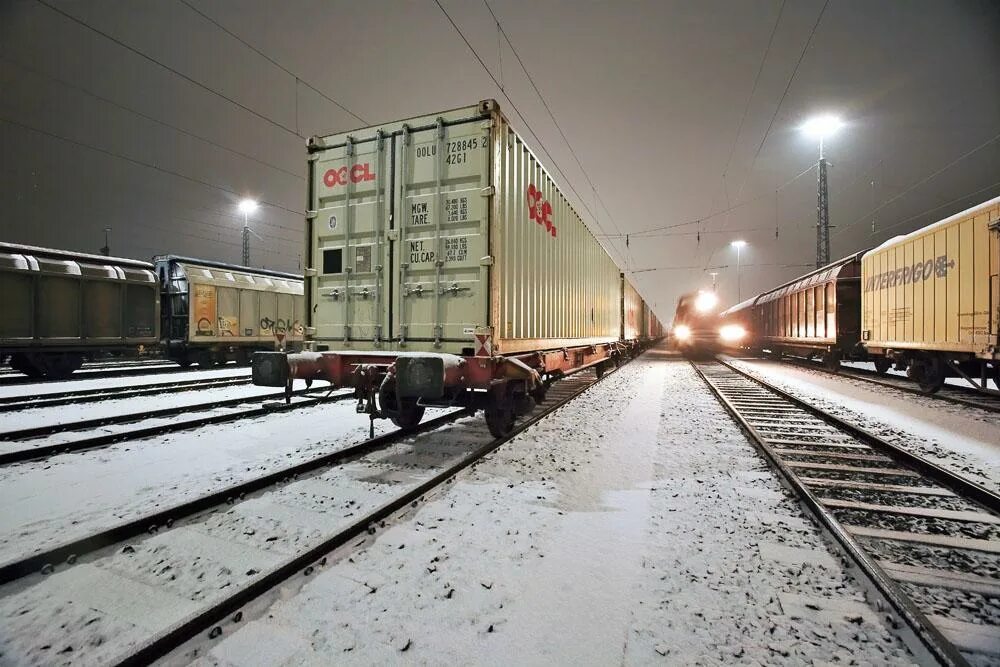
(445, 267)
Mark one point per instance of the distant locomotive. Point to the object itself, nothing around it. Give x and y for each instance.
(699, 329)
(927, 302)
(62, 308)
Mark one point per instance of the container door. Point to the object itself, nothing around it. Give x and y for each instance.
(351, 186)
(442, 227)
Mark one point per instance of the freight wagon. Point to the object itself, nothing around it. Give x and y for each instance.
(213, 313)
(445, 267)
(930, 300)
(813, 315)
(927, 302)
(60, 308)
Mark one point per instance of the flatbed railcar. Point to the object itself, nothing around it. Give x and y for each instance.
(213, 312)
(61, 308)
(446, 268)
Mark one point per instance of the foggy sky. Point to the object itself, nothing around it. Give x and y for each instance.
(159, 136)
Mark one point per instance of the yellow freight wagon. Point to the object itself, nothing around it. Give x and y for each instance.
(930, 300)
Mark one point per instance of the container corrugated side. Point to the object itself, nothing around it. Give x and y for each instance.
(554, 284)
(633, 312)
(935, 288)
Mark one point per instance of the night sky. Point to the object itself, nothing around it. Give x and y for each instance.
(154, 118)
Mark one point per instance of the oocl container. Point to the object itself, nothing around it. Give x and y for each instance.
(444, 233)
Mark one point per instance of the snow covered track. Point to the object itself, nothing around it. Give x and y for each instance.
(224, 550)
(104, 439)
(927, 539)
(99, 373)
(53, 399)
(952, 393)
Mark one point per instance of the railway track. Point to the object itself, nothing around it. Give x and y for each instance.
(53, 399)
(926, 539)
(30, 453)
(950, 393)
(11, 379)
(233, 530)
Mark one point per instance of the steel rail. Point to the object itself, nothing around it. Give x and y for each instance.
(101, 374)
(131, 418)
(68, 552)
(159, 646)
(44, 451)
(925, 632)
(30, 401)
(903, 384)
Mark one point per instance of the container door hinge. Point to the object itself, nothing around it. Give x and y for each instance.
(313, 157)
(488, 191)
(310, 273)
(486, 261)
(310, 331)
(311, 215)
(392, 235)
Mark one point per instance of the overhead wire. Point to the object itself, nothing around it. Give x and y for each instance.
(523, 118)
(552, 116)
(918, 183)
(176, 72)
(162, 123)
(753, 90)
(135, 161)
(781, 101)
(271, 60)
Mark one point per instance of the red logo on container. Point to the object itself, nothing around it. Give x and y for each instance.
(356, 174)
(540, 210)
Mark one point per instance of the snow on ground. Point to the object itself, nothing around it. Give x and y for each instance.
(37, 388)
(635, 525)
(112, 600)
(960, 438)
(68, 496)
(958, 382)
(66, 414)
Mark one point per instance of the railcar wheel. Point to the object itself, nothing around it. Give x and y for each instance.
(831, 361)
(409, 414)
(882, 365)
(60, 366)
(205, 359)
(930, 373)
(22, 363)
(500, 419)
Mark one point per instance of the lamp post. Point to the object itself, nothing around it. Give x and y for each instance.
(820, 128)
(246, 207)
(739, 245)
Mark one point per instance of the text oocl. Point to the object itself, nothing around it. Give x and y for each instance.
(355, 174)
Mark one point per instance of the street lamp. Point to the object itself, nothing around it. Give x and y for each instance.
(739, 245)
(246, 207)
(820, 128)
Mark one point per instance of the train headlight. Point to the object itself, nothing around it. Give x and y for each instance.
(732, 333)
(705, 301)
(682, 332)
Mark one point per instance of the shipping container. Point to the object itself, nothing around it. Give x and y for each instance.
(60, 308)
(931, 299)
(215, 312)
(444, 233)
(634, 312)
